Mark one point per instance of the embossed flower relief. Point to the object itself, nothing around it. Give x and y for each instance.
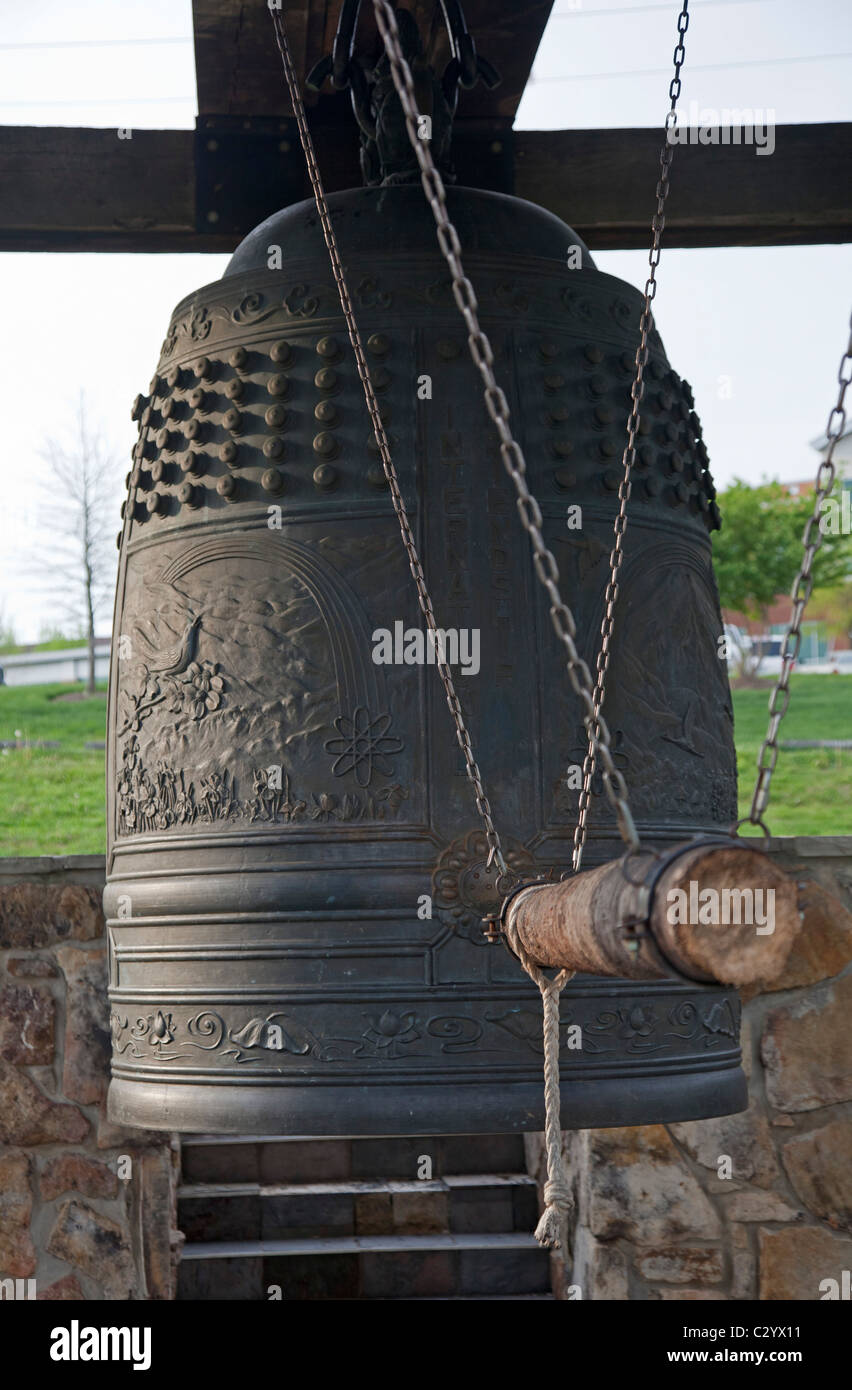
(566, 793)
(390, 1030)
(638, 1022)
(196, 326)
(198, 690)
(193, 693)
(274, 800)
(465, 884)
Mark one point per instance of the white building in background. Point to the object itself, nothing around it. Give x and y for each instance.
(55, 667)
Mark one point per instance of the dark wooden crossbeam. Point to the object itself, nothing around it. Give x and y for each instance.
(602, 183)
(86, 190)
(238, 69)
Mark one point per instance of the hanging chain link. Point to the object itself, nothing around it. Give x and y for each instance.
(495, 851)
(498, 408)
(800, 593)
(637, 391)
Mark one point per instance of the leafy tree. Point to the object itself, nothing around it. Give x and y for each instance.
(758, 551)
(836, 605)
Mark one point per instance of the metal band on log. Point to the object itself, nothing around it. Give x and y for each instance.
(716, 912)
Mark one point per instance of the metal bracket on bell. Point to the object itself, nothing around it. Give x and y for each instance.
(638, 927)
(492, 923)
(493, 926)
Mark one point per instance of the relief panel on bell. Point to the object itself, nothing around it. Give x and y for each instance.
(667, 703)
(247, 690)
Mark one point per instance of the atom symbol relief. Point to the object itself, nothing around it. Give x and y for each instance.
(363, 746)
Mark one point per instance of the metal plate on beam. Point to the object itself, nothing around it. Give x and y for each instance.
(246, 168)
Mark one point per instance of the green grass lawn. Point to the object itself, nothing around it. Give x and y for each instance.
(52, 799)
(811, 787)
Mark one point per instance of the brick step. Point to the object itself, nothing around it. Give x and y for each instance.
(481, 1204)
(270, 1159)
(433, 1266)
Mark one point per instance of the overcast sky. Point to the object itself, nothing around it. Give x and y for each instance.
(772, 322)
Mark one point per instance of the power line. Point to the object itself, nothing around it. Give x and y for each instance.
(92, 43)
(104, 101)
(643, 9)
(701, 67)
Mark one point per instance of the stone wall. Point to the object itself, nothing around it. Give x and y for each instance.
(751, 1206)
(86, 1208)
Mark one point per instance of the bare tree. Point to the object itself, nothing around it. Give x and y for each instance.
(80, 513)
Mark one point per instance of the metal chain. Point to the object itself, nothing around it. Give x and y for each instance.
(495, 851)
(498, 408)
(800, 593)
(637, 391)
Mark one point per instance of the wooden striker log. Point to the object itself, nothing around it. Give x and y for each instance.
(719, 912)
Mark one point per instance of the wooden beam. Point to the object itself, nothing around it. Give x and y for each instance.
(238, 68)
(602, 182)
(85, 190)
(237, 65)
(63, 189)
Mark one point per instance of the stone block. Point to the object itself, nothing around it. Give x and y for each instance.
(305, 1160)
(743, 1264)
(311, 1277)
(476, 1210)
(824, 945)
(374, 1159)
(745, 1138)
(759, 1206)
(65, 1290)
(27, 1019)
(17, 1252)
(599, 1270)
(636, 1186)
(154, 1217)
(207, 1218)
(77, 1173)
(501, 1271)
(795, 1262)
(27, 1116)
(88, 1048)
(819, 1165)
(35, 915)
(408, 1274)
(806, 1050)
(95, 1245)
(237, 1280)
(373, 1214)
(221, 1163)
(298, 1215)
(32, 967)
(681, 1264)
(481, 1153)
(420, 1213)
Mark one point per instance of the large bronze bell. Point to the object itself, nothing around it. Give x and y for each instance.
(297, 875)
